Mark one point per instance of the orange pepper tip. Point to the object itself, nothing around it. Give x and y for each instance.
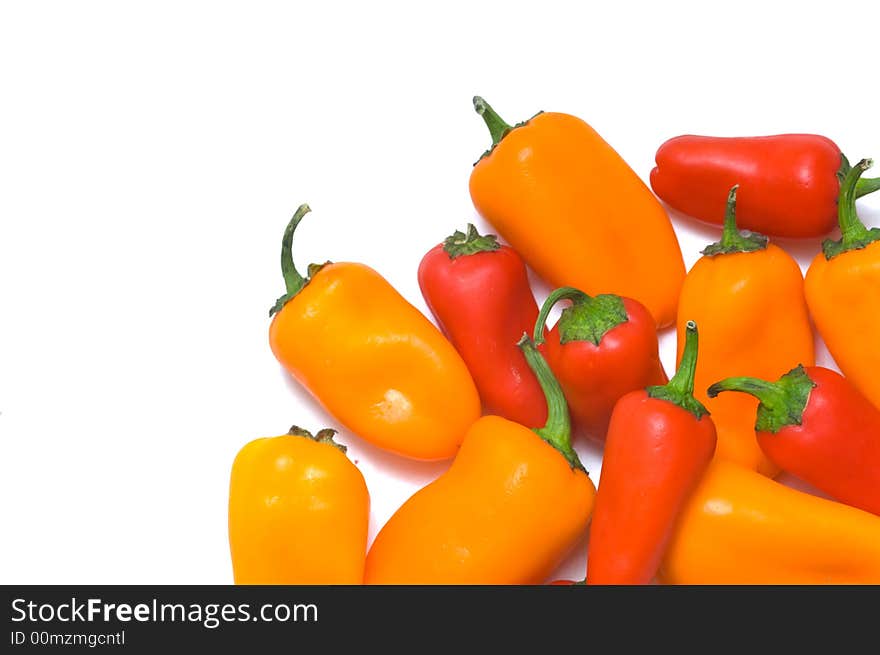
(853, 233)
(782, 403)
(732, 240)
(322, 436)
(557, 429)
(680, 388)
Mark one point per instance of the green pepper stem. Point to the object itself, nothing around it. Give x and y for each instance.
(867, 185)
(557, 429)
(683, 380)
(852, 229)
(853, 233)
(765, 391)
(562, 293)
(497, 126)
(680, 389)
(292, 279)
(470, 242)
(782, 403)
(732, 240)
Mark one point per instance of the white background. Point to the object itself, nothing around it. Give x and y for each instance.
(152, 153)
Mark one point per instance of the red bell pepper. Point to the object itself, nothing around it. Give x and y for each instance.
(478, 291)
(601, 348)
(814, 424)
(660, 442)
(788, 184)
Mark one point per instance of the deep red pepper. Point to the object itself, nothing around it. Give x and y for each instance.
(788, 184)
(660, 442)
(814, 424)
(478, 291)
(601, 348)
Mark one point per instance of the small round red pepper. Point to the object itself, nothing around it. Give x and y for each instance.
(814, 424)
(601, 348)
(660, 442)
(478, 291)
(788, 183)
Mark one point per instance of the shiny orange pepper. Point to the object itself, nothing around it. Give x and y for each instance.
(513, 504)
(843, 292)
(576, 212)
(747, 296)
(739, 527)
(372, 359)
(298, 512)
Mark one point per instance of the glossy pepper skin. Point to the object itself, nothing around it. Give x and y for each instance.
(512, 505)
(789, 183)
(816, 425)
(600, 349)
(478, 291)
(576, 212)
(747, 296)
(843, 293)
(298, 512)
(740, 527)
(371, 358)
(660, 442)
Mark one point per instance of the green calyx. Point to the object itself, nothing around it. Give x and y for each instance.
(557, 429)
(853, 233)
(469, 243)
(498, 128)
(588, 318)
(864, 186)
(322, 436)
(680, 389)
(293, 281)
(732, 240)
(782, 403)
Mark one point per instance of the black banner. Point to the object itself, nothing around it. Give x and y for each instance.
(240, 619)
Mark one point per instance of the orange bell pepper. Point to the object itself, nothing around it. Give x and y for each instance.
(576, 212)
(739, 527)
(843, 292)
(298, 512)
(510, 508)
(371, 358)
(747, 296)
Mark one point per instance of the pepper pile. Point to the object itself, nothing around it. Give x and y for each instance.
(686, 494)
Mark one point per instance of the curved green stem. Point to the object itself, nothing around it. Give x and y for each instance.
(732, 240)
(557, 429)
(853, 233)
(764, 390)
(497, 126)
(293, 281)
(782, 403)
(851, 228)
(562, 293)
(587, 319)
(680, 388)
(867, 185)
